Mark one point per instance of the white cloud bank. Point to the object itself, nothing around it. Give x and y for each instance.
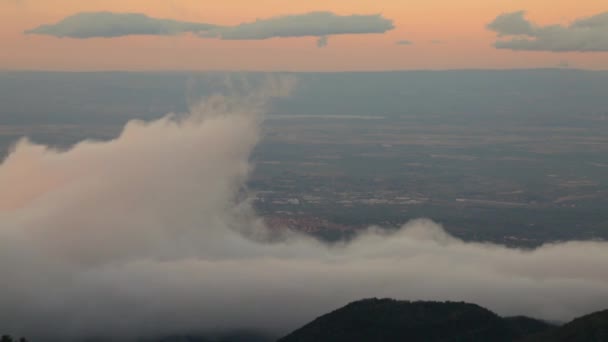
(146, 234)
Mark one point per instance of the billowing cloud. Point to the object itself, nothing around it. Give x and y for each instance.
(109, 25)
(583, 35)
(511, 24)
(405, 42)
(150, 234)
(314, 24)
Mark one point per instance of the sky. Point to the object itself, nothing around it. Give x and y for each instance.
(430, 34)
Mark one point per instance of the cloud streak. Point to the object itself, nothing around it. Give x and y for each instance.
(583, 35)
(313, 24)
(150, 234)
(111, 25)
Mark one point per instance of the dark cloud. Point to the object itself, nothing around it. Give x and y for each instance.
(583, 35)
(108, 25)
(404, 42)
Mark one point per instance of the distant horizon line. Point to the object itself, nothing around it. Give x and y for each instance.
(143, 71)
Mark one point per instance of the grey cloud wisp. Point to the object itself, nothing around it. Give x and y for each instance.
(110, 25)
(404, 42)
(313, 24)
(322, 41)
(516, 32)
(147, 235)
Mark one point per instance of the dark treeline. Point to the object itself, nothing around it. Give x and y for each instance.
(389, 320)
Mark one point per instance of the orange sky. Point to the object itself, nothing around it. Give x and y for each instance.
(459, 24)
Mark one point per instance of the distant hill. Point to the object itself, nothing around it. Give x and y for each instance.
(379, 320)
(589, 328)
(541, 96)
